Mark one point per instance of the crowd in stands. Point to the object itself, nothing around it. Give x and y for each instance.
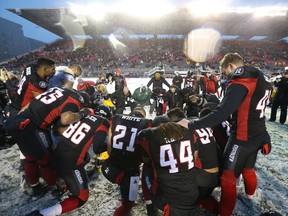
(139, 55)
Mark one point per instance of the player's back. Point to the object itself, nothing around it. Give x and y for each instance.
(173, 161)
(249, 120)
(76, 140)
(47, 107)
(124, 132)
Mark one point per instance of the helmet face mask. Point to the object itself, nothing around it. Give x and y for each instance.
(103, 111)
(143, 89)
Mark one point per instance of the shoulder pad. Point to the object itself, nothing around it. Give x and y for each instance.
(144, 134)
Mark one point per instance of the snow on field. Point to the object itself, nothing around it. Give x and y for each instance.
(271, 194)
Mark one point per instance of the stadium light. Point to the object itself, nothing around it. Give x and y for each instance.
(145, 9)
(95, 11)
(270, 11)
(259, 11)
(151, 9)
(203, 8)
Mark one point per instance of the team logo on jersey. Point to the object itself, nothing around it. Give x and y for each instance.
(239, 71)
(43, 84)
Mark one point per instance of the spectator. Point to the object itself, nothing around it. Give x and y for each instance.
(120, 81)
(177, 80)
(157, 82)
(83, 84)
(280, 98)
(102, 79)
(211, 83)
(110, 85)
(142, 95)
(174, 97)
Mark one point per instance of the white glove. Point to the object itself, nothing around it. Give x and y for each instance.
(161, 101)
(151, 101)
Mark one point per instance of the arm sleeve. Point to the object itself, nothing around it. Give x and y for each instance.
(100, 142)
(173, 80)
(101, 137)
(232, 100)
(165, 82)
(143, 147)
(150, 82)
(70, 107)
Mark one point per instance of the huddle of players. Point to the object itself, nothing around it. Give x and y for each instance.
(181, 166)
(75, 128)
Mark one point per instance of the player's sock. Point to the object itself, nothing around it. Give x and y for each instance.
(124, 209)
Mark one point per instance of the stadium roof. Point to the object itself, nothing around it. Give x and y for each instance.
(64, 23)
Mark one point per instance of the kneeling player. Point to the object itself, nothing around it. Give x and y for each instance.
(71, 156)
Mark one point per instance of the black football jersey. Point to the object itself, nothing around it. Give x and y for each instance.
(249, 119)
(47, 107)
(76, 140)
(206, 145)
(29, 82)
(247, 93)
(173, 163)
(124, 133)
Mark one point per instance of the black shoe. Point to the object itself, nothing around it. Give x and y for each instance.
(38, 191)
(151, 210)
(58, 190)
(35, 213)
(271, 120)
(248, 202)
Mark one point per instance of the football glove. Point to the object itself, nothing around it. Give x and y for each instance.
(86, 112)
(266, 149)
(23, 124)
